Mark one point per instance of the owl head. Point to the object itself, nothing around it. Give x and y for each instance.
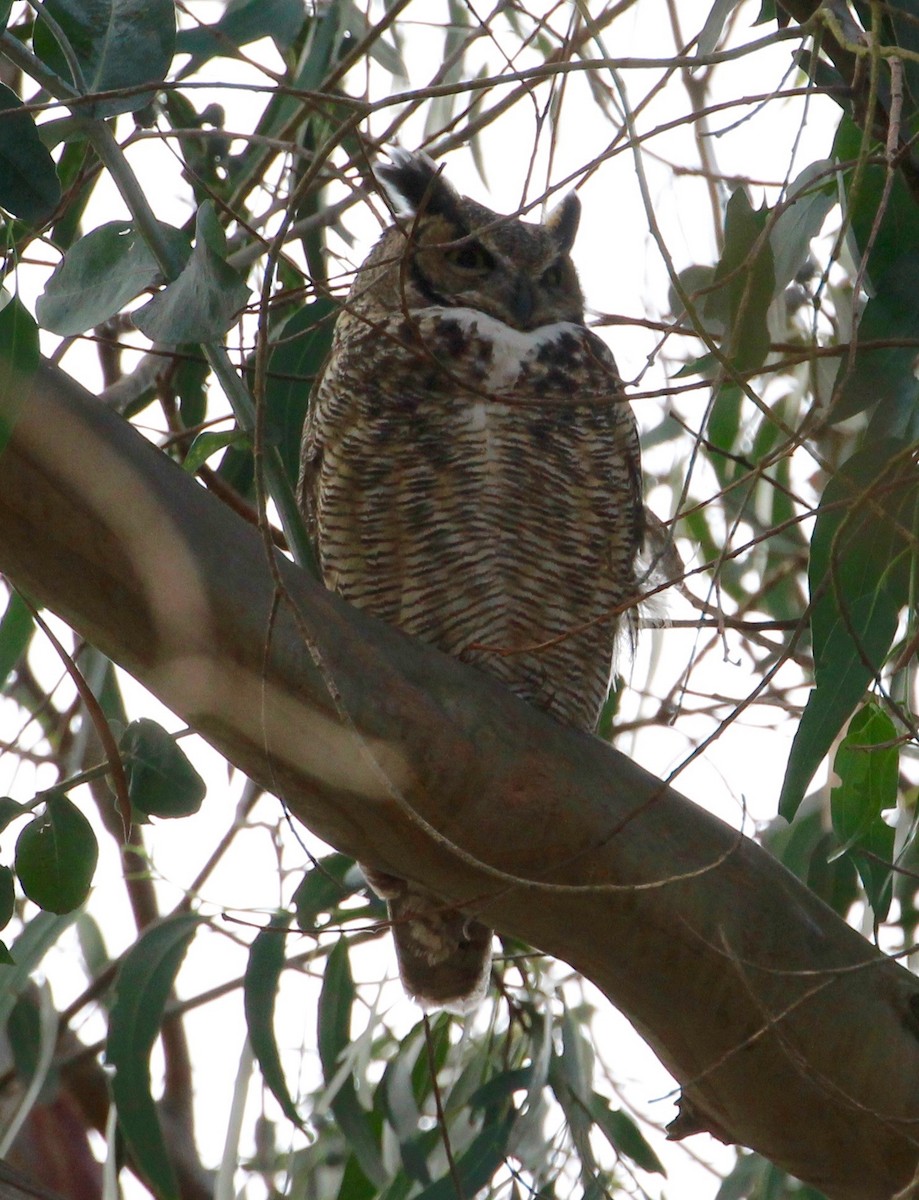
(445, 249)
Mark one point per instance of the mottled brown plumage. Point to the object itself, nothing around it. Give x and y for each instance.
(470, 473)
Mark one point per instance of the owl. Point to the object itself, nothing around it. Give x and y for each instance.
(470, 473)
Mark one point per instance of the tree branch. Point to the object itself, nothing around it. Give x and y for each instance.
(787, 1030)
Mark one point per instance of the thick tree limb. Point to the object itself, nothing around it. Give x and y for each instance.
(788, 1032)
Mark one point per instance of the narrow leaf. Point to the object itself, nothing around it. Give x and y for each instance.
(211, 442)
(334, 1035)
(866, 765)
(242, 23)
(860, 572)
(292, 369)
(27, 951)
(7, 896)
(476, 1165)
(746, 274)
(143, 985)
(15, 632)
(624, 1135)
(322, 889)
(810, 199)
(883, 374)
(334, 1014)
(19, 359)
(714, 23)
(260, 990)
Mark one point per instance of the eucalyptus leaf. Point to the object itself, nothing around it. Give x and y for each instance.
(260, 991)
(16, 627)
(861, 563)
(202, 303)
(29, 186)
(100, 274)
(142, 987)
(161, 780)
(19, 359)
(56, 856)
(108, 45)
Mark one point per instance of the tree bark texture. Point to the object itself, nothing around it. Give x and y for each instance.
(787, 1031)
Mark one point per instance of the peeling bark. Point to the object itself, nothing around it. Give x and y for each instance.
(787, 1031)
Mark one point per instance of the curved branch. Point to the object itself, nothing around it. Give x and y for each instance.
(788, 1032)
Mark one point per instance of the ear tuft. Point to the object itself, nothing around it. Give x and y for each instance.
(562, 222)
(413, 184)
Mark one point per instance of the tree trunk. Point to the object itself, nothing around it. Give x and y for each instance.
(787, 1031)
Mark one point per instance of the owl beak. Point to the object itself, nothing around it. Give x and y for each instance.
(523, 300)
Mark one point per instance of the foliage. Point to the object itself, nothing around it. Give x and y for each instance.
(783, 452)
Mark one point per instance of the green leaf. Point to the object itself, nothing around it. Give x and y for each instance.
(209, 443)
(19, 359)
(293, 367)
(260, 990)
(714, 23)
(334, 1036)
(624, 1135)
(334, 1013)
(7, 896)
(873, 857)
(498, 1090)
(322, 889)
(886, 374)
(190, 383)
(805, 847)
(29, 186)
(100, 274)
(400, 1106)
(30, 947)
(161, 780)
(866, 765)
(868, 192)
(15, 632)
(10, 809)
(242, 23)
(723, 430)
(576, 1059)
(142, 987)
(746, 275)
(809, 198)
(56, 856)
(24, 1032)
(115, 44)
(860, 572)
(476, 1165)
(201, 304)
(697, 281)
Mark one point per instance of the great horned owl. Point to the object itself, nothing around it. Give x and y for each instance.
(470, 472)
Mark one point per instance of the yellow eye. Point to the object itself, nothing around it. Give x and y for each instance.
(471, 256)
(552, 276)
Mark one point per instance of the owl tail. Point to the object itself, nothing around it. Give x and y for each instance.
(444, 954)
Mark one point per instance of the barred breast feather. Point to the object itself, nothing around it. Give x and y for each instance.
(478, 486)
